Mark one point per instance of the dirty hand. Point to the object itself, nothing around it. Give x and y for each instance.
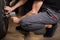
(8, 9)
(16, 19)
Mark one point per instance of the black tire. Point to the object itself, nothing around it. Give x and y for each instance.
(3, 21)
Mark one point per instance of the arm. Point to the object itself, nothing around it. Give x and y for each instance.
(35, 8)
(21, 2)
(9, 9)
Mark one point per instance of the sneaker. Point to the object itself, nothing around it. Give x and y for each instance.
(20, 29)
(50, 31)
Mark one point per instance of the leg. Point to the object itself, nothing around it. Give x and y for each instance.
(37, 21)
(36, 24)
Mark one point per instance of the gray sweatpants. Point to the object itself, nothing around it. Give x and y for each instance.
(35, 23)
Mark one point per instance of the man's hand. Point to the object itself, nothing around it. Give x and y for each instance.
(15, 19)
(8, 9)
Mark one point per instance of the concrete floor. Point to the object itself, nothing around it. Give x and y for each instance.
(15, 35)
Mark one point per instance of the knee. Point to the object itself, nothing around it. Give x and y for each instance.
(25, 24)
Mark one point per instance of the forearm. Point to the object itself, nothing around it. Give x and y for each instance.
(21, 2)
(36, 6)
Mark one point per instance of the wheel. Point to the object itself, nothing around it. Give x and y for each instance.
(3, 21)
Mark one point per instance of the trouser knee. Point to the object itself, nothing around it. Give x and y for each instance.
(31, 26)
(36, 28)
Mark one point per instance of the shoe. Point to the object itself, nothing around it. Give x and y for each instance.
(50, 31)
(20, 29)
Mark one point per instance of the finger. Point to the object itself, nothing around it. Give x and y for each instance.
(6, 6)
(6, 9)
(6, 12)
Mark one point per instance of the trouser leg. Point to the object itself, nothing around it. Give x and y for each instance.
(35, 24)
